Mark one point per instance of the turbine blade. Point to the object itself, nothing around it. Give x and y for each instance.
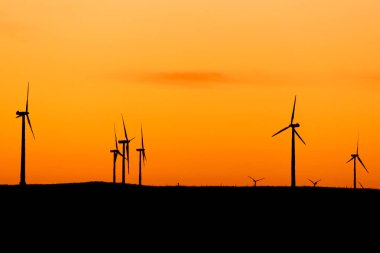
(127, 149)
(311, 181)
(318, 180)
(125, 130)
(299, 136)
(142, 139)
(361, 185)
(280, 131)
(360, 160)
(131, 139)
(250, 177)
(350, 160)
(114, 157)
(144, 156)
(357, 147)
(294, 108)
(259, 179)
(27, 99)
(30, 125)
(117, 147)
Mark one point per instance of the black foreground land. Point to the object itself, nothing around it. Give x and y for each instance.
(115, 214)
(108, 197)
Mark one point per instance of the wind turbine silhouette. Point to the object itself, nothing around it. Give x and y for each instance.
(115, 152)
(142, 156)
(23, 115)
(314, 182)
(353, 157)
(255, 180)
(293, 161)
(125, 148)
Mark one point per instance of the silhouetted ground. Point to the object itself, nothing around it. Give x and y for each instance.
(189, 214)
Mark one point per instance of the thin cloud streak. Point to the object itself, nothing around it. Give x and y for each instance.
(188, 78)
(198, 79)
(11, 30)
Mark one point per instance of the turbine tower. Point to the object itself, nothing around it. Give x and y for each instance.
(314, 182)
(23, 115)
(255, 180)
(353, 157)
(294, 132)
(142, 156)
(115, 152)
(125, 143)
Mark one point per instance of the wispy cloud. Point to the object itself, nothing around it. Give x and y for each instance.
(198, 79)
(188, 78)
(10, 29)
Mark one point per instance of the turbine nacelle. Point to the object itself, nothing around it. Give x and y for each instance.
(354, 155)
(20, 114)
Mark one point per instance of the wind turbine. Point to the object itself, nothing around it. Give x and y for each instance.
(255, 180)
(353, 157)
(294, 132)
(314, 182)
(125, 149)
(115, 152)
(142, 156)
(23, 115)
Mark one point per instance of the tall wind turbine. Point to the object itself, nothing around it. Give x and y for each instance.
(314, 182)
(23, 115)
(142, 156)
(353, 157)
(294, 132)
(115, 152)
(125, 143)
(255, 180)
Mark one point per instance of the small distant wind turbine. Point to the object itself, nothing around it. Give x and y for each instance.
(142, 156)
(293, 161)
(125, 148)
(353, 157)
(314, 182)
(255, 180)
(23, 115)
(115, 152)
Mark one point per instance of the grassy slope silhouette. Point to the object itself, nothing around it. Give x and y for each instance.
(82, 195)
(188, 215)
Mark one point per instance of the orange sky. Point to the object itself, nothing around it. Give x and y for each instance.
(210, 81)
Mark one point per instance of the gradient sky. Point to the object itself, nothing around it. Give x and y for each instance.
(210, 82)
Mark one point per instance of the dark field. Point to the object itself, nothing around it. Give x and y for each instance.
(224, 200)
(193, 214)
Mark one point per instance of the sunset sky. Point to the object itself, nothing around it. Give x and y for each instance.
(209, 81)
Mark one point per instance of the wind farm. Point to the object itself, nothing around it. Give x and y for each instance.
(255, 180)
(142, 157)
(116, 152)
(125, 153)
(293, 126)
(23, 115)
(244, 106)
(354, 157)
(314, 182)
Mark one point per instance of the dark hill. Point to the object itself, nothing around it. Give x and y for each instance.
(132, 198)
(195, 216)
